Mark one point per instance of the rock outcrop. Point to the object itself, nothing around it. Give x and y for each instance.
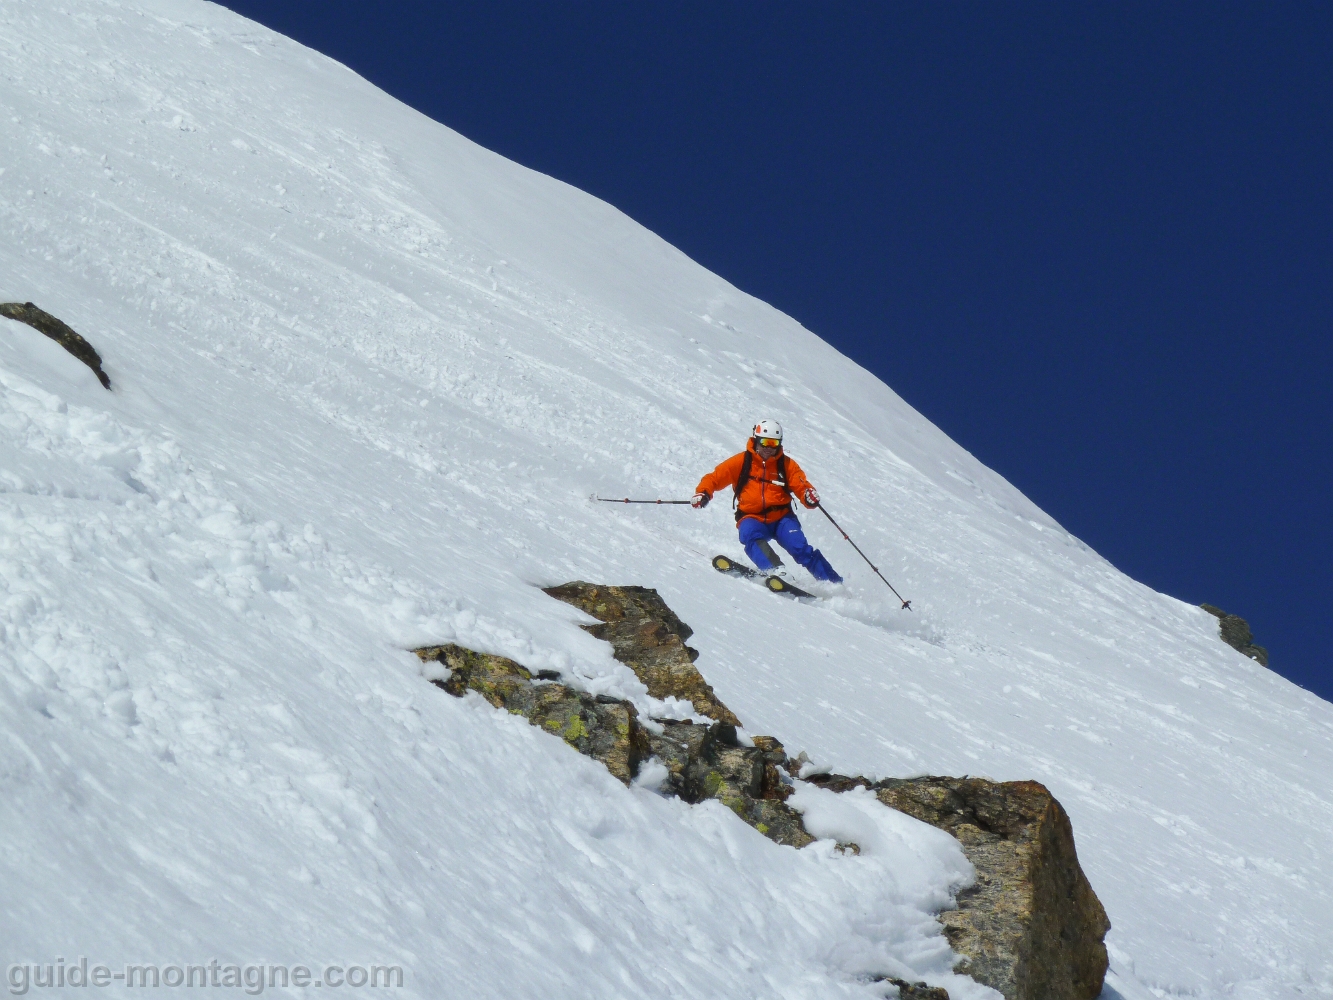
(648, 638)
(1235, 632)
(43, 322)
(1031, 927)
(708, 762)
(702, 761)
(915, 991)
(605, 729)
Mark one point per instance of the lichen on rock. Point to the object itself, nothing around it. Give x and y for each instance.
(43, 322)
(702, 761)
(709, 762)
(649, 638)
(605, 729)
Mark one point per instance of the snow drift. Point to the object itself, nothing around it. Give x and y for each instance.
(366, 375)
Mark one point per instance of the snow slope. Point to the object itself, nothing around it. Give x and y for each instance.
(366, 376)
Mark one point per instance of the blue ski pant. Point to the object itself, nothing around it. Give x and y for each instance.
(787, 533)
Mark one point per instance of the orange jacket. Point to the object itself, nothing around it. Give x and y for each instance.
(763, 496)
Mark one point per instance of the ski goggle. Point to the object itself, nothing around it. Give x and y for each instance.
(769, 442)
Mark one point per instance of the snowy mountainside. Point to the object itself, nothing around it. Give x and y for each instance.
(366, 376)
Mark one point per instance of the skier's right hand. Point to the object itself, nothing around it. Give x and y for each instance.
(699, 501)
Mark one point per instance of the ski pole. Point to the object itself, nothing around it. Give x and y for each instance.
(628, 500)
(907, 605)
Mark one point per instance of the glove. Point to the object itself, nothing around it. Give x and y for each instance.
(811, 497)
(699, 501)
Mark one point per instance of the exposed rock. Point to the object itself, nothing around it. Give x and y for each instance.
(602, 728)
(1235, 632)
(703, 762)
(648, 638)
(915, 991)
(44, 322)
(1031, 927)
(708, 762)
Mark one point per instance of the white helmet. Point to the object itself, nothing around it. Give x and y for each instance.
(768, 429)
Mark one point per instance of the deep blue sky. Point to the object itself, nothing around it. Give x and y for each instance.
(1092, 242)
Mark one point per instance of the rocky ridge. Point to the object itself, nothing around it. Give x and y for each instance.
(43, 322)
(649, 638)
(1235, 632)
(1031, 926)
(701, 761)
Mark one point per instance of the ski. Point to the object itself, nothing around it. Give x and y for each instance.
(770, 582)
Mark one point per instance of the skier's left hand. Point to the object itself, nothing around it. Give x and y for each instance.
(811, 497)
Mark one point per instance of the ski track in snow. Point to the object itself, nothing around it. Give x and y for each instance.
(366, 376)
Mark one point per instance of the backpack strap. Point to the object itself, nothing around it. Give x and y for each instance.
(744, 478)
(741, 480)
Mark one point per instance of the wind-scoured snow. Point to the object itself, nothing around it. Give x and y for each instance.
(366, 376)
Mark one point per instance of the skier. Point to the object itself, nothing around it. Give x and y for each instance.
(764, 481)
